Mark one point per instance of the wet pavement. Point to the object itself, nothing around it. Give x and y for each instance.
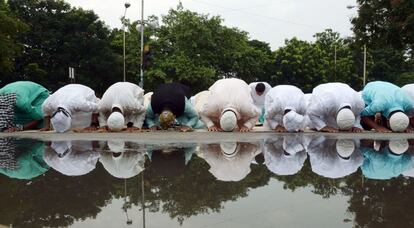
(206, 180)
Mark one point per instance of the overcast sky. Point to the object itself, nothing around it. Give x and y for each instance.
(271, 21)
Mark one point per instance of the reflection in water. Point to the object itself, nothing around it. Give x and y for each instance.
(167, 179)
(22, 160)
(122, 160)
(71, 158)
(334, 158)
(390, 161)
(285, 156)
(229, 161)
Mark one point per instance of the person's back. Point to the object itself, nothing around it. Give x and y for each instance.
(29, 99)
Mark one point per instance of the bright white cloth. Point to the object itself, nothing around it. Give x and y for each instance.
(325, 160)
(259, 101)
(147, 99)
(280, 98)
(200, 99)
(126, 96)
(123, 165)
(285, 156)
(71, 158)
(233, 167)
(79, 100)
(327, 99)
(230, 93)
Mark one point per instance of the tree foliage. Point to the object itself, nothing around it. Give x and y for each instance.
(10, 27)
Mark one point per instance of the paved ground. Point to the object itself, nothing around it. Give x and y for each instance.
(197, 136)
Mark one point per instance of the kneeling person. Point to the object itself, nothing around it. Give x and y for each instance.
(285, 107)
(335, 106)
(230, 107)
(72, 106)
(386, 108)
(169, 107)
(21, 106)
(122, 105)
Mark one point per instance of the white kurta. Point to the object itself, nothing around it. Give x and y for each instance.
(71, 158)
(230, 93)
(287, 159)
(259, 101)
(326, 162)
(200, 99)
(79, 100)
(227, 168)
(326, 101)
(129, 97)
(280, 98)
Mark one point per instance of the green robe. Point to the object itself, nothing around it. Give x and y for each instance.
(29, 99)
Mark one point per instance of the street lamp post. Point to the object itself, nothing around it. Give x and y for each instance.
(127, 5)
(141, 83)
(140, 27)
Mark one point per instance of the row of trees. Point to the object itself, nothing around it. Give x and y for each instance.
(40, 39)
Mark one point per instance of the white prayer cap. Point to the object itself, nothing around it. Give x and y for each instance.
(116, 146)
(61, 121)
(345, 119)
(228, 120)
(345, 148)
(116, 121)
(228, 148)
(61, 147)
(398, 146)
(399, 122)
(293, 121)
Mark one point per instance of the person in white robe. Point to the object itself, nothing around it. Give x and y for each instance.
(122, 106)
(335, 106)
(285, 109)
(229, 107)
(258, 91)
(70, 107)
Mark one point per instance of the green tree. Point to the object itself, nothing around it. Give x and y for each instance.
(10, 27)
(385, 23)
(59, 37)
(302, 64)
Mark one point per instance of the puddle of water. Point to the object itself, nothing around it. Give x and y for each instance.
(288, 181)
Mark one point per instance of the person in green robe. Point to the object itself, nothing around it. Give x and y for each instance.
(21, 106)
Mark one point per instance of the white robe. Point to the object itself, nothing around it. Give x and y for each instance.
(129, 97)
(230, 93)
(200, 99)
(328, 99)
(280, 98)
(79, 100)
(259, 101)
